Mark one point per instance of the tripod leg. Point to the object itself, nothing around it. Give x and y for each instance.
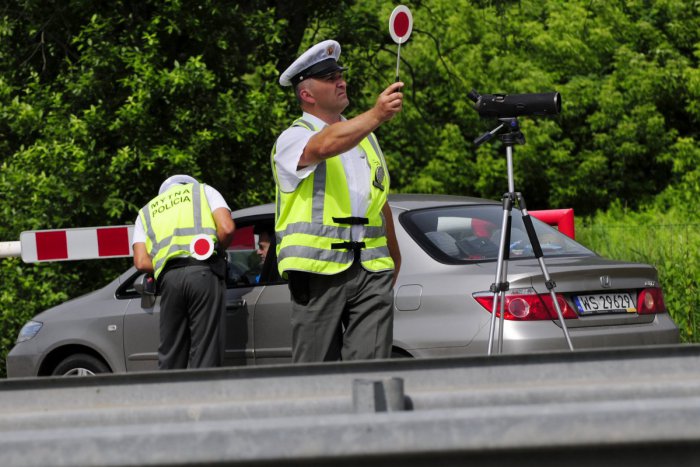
(537, 250)
(506, 257)
(500, 284)
(501, 321)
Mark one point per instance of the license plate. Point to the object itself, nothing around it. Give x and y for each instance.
(605, 303)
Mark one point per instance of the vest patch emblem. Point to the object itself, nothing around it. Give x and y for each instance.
(379, 178)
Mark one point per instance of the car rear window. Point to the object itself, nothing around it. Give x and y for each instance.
(463, 234)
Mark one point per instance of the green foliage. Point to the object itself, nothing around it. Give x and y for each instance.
(626, 71)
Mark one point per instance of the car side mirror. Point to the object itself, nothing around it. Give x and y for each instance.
(145, 285)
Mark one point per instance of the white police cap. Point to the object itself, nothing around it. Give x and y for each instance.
(175, 180)
(319, 60)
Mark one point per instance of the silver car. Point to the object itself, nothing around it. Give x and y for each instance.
(449, 247)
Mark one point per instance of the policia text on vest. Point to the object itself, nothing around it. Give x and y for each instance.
(169, 200)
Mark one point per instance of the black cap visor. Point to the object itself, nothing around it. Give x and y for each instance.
(322, 68)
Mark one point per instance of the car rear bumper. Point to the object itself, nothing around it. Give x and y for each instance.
(536, 336)
(660, 331)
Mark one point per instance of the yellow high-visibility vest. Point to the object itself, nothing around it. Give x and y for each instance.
(314, 221)
(172, 220)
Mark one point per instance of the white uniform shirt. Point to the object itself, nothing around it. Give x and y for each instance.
(290, 146)
(214, 199)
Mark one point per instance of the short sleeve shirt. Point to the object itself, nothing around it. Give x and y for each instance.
(214, 199)
(288, 150)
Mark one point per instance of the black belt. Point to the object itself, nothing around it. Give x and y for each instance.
(181, 262)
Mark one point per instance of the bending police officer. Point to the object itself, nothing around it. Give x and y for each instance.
(181, 236)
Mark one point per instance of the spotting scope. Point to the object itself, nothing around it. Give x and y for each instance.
(516, 105)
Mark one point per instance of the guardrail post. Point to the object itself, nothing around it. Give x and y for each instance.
(385, 395)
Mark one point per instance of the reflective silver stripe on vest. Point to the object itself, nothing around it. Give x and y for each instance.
(375, 145)
(374, 253)
(375, 232)
(197, 204)
(278, 205)
(305, 124)
(317, 254)
(273, 166)
(181, 233)
(319, 193)
(319, 188)
(173, 248)
(149, 228)
(326, 231)
(336, 256)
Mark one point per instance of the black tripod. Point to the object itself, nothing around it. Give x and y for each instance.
(500, 286)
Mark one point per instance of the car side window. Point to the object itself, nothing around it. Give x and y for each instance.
(471, 233)
(252, 256)
(126, 289)
(460, 236)
(243, 264)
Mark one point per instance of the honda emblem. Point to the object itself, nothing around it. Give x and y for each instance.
(605, 282)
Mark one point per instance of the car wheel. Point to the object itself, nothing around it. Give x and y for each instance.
(397, 353)
(80, 365)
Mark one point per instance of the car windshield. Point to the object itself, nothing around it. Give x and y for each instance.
(457, 234)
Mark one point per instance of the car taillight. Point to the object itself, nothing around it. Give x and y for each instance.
(650, 301)
(527, 305)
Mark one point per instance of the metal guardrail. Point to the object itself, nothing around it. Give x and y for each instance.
(612, 407)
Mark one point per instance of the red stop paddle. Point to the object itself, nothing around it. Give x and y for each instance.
(400, 27)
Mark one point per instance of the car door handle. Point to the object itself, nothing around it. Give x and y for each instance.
(237, 303)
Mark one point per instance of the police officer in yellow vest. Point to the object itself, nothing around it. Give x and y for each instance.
(335, 232)
(181, 236)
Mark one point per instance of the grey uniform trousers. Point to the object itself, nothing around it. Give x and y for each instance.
(192, 310)
(349, 316)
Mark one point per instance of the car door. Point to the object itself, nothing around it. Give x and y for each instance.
(271, 312)
(141, 333)
(272, 325)
(240, 302)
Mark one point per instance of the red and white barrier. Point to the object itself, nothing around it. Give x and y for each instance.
(115, 242)
(562, 218)
(9, 249)
(75, 244)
